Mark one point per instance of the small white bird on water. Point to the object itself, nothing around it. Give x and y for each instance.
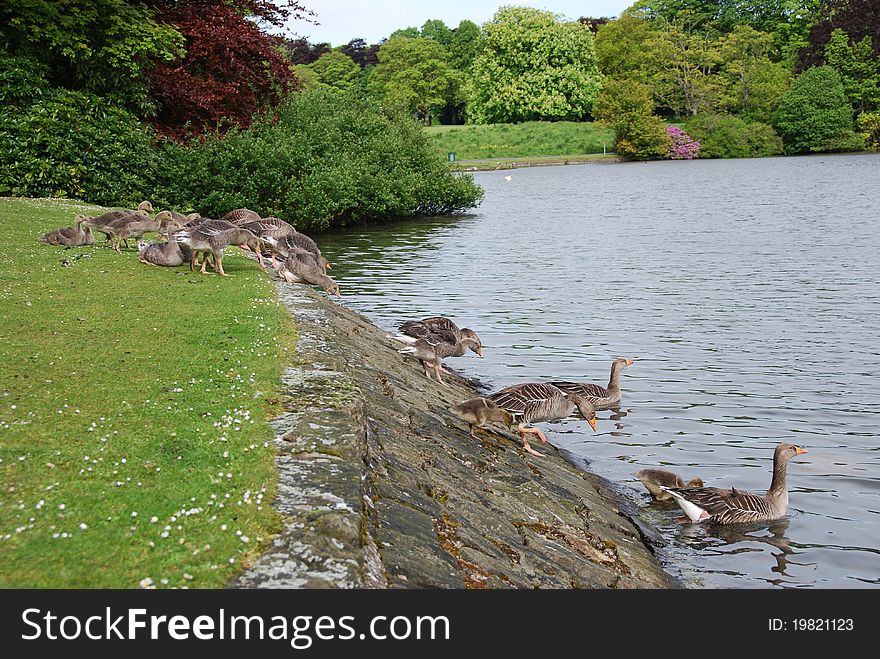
(507, 178)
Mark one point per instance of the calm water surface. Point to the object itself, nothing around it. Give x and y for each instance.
(747, 291)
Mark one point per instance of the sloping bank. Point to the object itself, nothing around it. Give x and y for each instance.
(380, 486)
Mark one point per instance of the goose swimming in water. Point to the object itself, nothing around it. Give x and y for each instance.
(723, 506)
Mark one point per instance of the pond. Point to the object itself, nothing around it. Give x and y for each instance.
(747, 291)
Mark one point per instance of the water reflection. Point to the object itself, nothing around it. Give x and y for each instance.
(751, 310)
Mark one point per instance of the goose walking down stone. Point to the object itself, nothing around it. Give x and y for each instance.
(418, 328)
(212, 237)
(732, 506)
(533, 402)
(71, 236)
(271, 230)
(477, 412)
(601, 397)
(432, 348)
(300, 266)
(655, 480)
(288, 244)
(167, 254)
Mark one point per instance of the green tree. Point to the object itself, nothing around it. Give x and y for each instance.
(465, 44)
(336, 70)
(407, 32)
(620, 48)
(685, 60)
(869, 128)
(98, 46)
(307, 77)
(755, 82)
(859, 70)
(414, 74)
(627, 107)
(724, 136)
(438, 31)
(533, 66)
(814, 115)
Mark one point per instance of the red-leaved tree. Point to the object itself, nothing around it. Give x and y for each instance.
(232, 69)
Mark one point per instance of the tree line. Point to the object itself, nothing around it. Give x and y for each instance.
(733, 71)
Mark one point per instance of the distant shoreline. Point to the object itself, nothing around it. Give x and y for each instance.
(492, 164)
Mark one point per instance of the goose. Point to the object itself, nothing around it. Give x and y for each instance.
(300, 266)
(124, 228)
(240, 216)
(655, 480)
(271, 230)
(212, 236)
(601, 397)
(539, 401)
(167, 254)
(419, 328)
(101, 222)
(723, 506)
(432, 348)
(297, 240)
(479, 411)
(71, 236)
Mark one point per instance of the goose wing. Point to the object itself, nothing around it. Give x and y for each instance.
(583, 389)
(531, 401)
(726, 506)
(240, 216)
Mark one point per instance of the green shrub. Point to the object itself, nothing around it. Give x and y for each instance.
(72, 144)
(869, 127)
(815, 116)
(322, 159)
(627, 107)
(724, 136)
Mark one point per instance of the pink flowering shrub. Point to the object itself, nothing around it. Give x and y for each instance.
(684, 147)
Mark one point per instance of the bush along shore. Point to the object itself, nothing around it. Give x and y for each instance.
(382, 487)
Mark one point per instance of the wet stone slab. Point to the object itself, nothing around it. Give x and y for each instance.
(381, 486)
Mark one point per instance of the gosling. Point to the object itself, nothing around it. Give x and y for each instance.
(477, 412)
(655, 480)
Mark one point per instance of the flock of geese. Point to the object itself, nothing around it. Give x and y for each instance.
(431, 340)
(292, 254)
(296, 258)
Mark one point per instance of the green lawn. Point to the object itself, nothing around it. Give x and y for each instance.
(533, 138)
(133, 407)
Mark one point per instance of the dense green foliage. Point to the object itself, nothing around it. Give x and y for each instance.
(626, 107)
(414, 75)
(131, 448)
(97, 46)
(531, 138)
(814, 115)
(324, 159)
(858, 68)
(725, 136)
(869, 127)
(532, 66)
(74, 144)
(334, 69)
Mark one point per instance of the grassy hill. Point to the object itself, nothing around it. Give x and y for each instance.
(530, 139)
(133, 407)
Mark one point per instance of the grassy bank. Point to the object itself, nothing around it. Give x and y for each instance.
(529, 139)
(133, 406)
